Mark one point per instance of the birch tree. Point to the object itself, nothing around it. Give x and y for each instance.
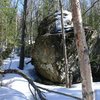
(82, 49)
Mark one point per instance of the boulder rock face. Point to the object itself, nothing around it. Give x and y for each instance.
(95, 60)
(48, 56)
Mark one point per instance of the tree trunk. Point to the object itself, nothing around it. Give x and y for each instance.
(82, 50)
(21, 63)
(64, 47)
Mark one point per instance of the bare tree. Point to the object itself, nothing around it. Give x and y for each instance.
(64, 48)
(82, 50)
(22, 54)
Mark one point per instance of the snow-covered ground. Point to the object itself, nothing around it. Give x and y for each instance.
(16, 87)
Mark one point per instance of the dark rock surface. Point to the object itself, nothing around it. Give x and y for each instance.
(48, 55)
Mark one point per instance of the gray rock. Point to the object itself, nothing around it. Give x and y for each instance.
(48, 55)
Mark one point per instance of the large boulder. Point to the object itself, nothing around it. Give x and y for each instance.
(48, 55)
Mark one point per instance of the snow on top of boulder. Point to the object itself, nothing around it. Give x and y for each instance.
(67, 19)
(66, 12)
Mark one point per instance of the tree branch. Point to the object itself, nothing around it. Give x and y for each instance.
(37, 88)
(60, 93)
(90, 7)
(14, 71)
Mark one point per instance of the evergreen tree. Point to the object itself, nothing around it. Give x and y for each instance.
(7, 23)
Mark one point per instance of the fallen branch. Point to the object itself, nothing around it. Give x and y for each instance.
(31, 91)
(68, 95)
(14, 71)
(37, 88)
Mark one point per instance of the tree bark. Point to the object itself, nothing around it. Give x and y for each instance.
(82, 50)
(64, 48)
(22, 54)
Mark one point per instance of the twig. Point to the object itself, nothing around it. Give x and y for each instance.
(6, 84)
(60, 93)
(31, 91)
(10, 62)
(90, 7)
